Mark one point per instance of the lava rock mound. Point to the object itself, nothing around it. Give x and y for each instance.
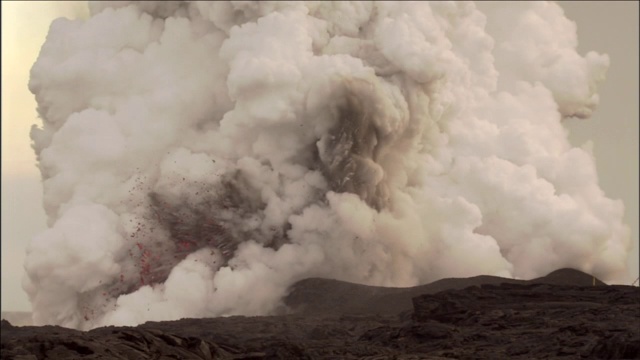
(560, 316)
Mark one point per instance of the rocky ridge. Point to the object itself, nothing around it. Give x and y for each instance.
(560, 316)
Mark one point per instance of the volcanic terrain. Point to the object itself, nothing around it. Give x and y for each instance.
(564, 315)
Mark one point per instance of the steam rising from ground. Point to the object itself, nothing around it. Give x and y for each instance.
(200, 157)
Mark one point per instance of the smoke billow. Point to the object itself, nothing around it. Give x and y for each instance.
(200, 157)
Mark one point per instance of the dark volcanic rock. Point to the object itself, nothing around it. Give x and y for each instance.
(484, 319)
(326, 296)
(540, 320)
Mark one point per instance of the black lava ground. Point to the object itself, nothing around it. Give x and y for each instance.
(560, 316)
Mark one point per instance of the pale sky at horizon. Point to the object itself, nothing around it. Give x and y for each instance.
(605, 27)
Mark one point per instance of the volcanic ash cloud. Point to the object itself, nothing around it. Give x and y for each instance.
(198, 158)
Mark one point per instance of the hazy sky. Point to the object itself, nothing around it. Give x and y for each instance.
(611, 27)
(606, 27)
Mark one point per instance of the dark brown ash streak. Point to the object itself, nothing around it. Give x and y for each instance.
(350, 152)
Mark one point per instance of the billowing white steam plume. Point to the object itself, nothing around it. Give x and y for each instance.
(200, 157)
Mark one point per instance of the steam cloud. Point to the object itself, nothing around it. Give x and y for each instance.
(198, 158)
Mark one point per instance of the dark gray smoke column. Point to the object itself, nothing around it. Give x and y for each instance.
(200, 157)
(352, 152)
